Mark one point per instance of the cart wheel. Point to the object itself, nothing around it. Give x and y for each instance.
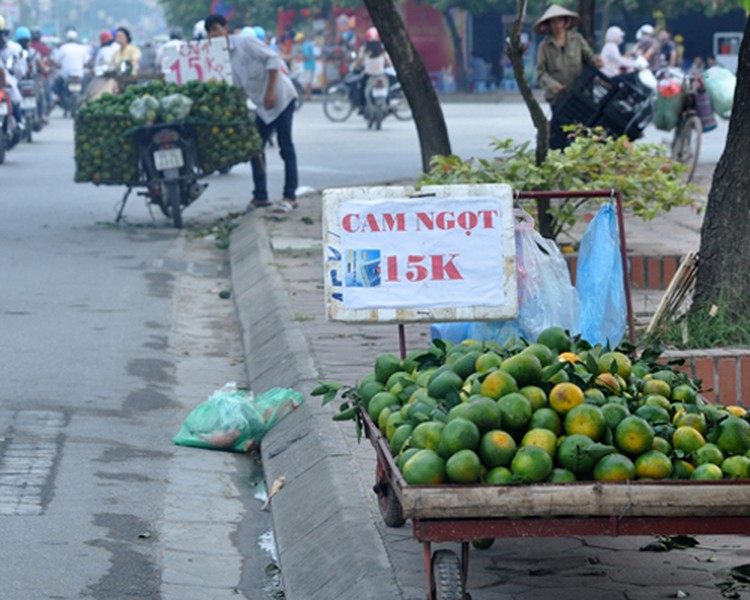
(446, 571)
(390, 507)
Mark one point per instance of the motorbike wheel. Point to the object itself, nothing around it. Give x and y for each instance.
(27, 132)
(399, 107)
(378, 118)
(3, 145)
(170, 202)
(336, 104)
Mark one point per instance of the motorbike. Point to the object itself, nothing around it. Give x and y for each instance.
(9, 130)
(72, 90)
(168, 168)
(383, 97)
(30, 106)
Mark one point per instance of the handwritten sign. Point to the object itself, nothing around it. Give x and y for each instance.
(204, 60)
(445, 253)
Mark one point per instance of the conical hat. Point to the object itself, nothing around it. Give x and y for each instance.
(555, 10)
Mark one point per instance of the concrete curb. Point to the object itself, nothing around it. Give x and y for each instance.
(327, 540)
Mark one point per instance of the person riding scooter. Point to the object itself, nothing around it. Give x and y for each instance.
(373, 59)
(71, 58)
(13, 67)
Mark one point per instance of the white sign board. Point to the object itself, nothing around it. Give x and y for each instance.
(204, 60)
(444, 253)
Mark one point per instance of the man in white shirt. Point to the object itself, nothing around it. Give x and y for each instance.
(258, 70)
(175, 41)
(71, 58)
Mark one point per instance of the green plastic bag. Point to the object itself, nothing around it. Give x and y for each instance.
(720, 83)
(175, 107)
(144, 110)
(236, 420)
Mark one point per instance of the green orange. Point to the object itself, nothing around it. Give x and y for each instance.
(497, 449)
(515, 411)
(463, 467)
(532, 464)
(546, 418)
(634, 435)
(541, 438)
(586, 419)
(497, 383)
(614, 467)
(424, 467)
(653, 465)
(525, 368)
(565, 396)
(458, 434)
(687, 439)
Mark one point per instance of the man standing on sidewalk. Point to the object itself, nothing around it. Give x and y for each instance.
(257, 69)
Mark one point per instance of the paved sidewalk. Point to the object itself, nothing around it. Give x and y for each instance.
(331, 539)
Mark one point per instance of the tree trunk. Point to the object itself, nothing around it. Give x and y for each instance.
(458, 50)
(723, 277)
(586, 9)
(516, 50)
(415, 81)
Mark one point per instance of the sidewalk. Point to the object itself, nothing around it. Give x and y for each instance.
(331, 539)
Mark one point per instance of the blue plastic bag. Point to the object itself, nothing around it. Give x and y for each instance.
(599, 281)
(453, 332)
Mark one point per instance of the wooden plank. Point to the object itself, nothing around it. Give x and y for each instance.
(593, 499)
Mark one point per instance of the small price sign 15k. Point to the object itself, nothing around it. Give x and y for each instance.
(204, 60)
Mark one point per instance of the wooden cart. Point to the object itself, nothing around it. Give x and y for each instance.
(462, 513)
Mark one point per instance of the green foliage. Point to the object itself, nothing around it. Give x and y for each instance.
(650, 181)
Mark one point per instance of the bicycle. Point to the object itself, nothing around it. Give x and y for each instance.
(677, 111)
(686, 142)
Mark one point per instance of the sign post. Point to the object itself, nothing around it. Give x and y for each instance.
(445, 253)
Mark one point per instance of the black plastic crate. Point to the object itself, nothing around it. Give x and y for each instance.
(586, 97)
(627, 111)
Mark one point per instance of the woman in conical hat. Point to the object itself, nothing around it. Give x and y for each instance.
(561, 57)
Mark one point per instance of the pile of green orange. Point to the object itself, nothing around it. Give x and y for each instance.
(557, 411)
(105, 131)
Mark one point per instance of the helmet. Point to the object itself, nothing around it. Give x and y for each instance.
(71, 35)
(372, 35)
(299, 36)
(2, 22)
(175, 33)
(247, 31)
(199, 30)
(105, 37)
(23, 33)
(260, 33)
(644, 29)
(36, 33)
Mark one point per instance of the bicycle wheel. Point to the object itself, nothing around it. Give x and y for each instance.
(687, 144)
(300, 94)
(336, 104)
(399, 107)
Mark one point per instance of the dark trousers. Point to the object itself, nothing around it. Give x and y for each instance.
(558, 139)
(283, 127)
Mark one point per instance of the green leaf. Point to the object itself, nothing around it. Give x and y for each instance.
(328, 396)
